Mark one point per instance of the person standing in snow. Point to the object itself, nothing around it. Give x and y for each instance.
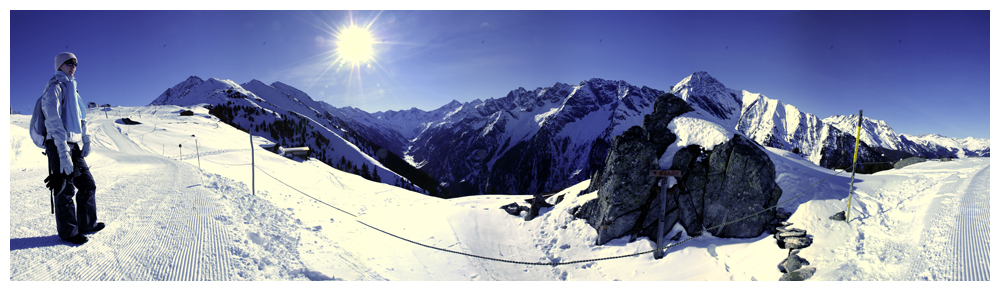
(66, 145)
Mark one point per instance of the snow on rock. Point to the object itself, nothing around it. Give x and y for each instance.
(691, 128)
(936, 145)
(873, 132)
(708, 95)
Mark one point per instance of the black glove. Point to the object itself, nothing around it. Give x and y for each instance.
(56, 182)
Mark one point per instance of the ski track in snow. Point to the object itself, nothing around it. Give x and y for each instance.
(973, 233)
(165, 221)
(938, 230)
(955, 245)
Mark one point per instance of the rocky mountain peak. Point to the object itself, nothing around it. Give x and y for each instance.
(710, 96)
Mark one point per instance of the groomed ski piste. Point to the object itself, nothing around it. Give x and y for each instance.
(187, 213)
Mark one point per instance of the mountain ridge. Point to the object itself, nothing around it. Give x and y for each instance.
(543, 139)
(286, 116)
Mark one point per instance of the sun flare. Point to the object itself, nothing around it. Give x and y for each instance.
(354, 45)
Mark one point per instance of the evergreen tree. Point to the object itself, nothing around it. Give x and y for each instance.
(364, 171)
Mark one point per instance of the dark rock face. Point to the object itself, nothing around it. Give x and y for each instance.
(493, 146)
(908, 161)
(799, 275)
(735, 180)
(626, 194)
(625, 186)
(514, 209)
(838, 153)
(793, 263)
(798, 242)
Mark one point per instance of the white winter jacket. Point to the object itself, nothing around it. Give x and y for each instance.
(52, 107)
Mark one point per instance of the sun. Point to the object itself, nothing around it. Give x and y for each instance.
(354, 45)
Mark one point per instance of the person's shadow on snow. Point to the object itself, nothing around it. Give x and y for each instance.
(36, 242)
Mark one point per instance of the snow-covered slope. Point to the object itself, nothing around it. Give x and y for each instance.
(195, 90)
(775, 124)
(874, 132)
(394, 130)
(936, 145)
(284, 115)
(170, 219)
(708, 95)
(548, 138)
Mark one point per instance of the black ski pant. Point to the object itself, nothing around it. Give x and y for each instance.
(80, 218)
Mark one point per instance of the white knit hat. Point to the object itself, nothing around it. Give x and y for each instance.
(63, 57)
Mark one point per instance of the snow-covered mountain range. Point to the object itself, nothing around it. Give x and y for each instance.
(290, 118)
(546, 139)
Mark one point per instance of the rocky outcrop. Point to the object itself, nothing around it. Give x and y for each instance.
(626, 191)
(794, 267)
(799, 275)
(514, 209)
(792, 263)
(908, 161)
(838, 216)
(837, 152)
(735, 180)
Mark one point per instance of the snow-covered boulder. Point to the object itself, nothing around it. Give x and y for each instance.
(734, 180)
(625, 189)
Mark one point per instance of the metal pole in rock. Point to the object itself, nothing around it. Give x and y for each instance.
(663, 215)
(667, 180)
(178, 151)
(854, 169)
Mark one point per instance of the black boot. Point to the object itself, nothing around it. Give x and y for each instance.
(78, 239)
(99, 227)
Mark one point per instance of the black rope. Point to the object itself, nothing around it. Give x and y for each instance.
(303, 193)
(224, 164)
(700, 232)
(521, 262)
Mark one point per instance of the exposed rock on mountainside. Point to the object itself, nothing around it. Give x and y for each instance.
(543, 140)
(837, 152)
(530, 141)
(734, 180)
(625, 189)
(737, 179)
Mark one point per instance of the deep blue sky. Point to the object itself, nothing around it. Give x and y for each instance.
(920, 71)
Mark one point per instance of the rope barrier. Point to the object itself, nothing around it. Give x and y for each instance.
(224, 164)
(303, 193)
(700, 232)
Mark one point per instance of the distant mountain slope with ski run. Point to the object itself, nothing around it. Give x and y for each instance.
(285, 115)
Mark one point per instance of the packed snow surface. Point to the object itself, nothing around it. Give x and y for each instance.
(176, 194)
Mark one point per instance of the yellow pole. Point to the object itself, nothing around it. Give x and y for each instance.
(854, 169)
